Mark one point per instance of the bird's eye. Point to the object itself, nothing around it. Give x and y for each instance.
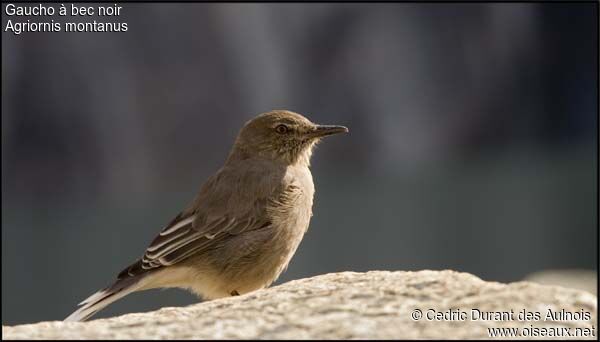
(281, 129)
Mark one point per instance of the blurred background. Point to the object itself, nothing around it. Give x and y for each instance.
(472, 145)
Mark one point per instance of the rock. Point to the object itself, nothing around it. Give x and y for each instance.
(376, 304)
(585, 280)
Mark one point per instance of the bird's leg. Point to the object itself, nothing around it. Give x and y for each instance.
(234, 293)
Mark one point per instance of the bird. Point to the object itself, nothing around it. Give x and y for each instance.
(239, 233)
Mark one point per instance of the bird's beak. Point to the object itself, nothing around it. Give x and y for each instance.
(325, 130)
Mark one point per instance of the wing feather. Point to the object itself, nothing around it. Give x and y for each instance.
(208, 223)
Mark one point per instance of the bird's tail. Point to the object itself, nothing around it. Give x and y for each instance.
(102, 298)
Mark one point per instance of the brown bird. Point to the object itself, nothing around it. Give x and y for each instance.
(240, 232)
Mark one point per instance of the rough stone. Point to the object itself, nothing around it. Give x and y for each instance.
(375, 304)
(585, 280)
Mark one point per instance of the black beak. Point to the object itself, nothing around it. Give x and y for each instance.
(325, 130)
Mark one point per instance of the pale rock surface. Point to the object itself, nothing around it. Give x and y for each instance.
(375, 304)
(586, 280)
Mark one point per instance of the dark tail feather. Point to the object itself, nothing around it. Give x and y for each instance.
(103, 298)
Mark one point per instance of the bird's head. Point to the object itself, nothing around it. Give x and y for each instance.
(281, 135)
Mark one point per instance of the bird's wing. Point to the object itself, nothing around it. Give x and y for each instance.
(177, 243)
(182, 238)
(207, 224)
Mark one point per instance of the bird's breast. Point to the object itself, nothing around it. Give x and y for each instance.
(300, 187)
(294, 215)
